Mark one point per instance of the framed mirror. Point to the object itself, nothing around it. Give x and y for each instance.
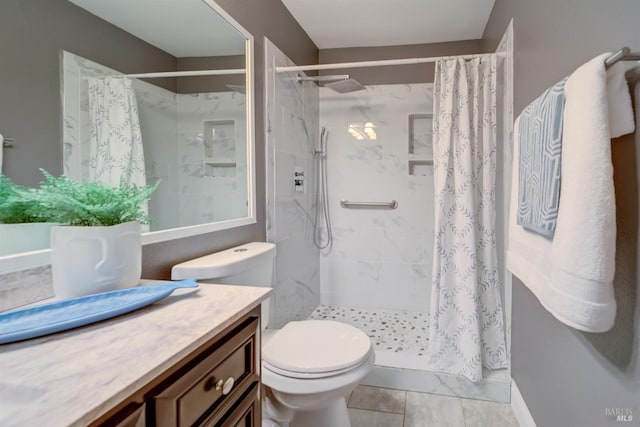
(186, 68)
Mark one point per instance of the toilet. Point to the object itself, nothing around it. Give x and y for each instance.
(309, 366)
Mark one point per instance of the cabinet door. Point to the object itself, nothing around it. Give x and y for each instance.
(246, 413)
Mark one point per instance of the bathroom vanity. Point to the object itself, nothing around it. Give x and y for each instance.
(192, 358)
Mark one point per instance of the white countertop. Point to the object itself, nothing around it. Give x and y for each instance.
(74, 377)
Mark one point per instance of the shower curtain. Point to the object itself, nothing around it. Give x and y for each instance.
(115, 140)
(466, 331)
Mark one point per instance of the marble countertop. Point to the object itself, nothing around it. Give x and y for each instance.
(74, 377)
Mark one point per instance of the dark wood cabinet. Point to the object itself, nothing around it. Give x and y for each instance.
(216, 385)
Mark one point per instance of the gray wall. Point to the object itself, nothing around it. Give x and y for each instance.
(210, 83)
(422, 73)
(567, 377)
(32, 33)
(261, 18)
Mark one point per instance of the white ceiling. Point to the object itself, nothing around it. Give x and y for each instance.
(182, 28)
(359, 23)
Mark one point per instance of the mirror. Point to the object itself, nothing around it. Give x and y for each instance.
(187, 119)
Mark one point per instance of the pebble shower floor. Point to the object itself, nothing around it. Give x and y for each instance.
(400, 337)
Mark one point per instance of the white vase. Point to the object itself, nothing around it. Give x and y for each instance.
(25, 237)
(89, 260)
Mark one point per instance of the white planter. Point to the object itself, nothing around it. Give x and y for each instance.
(26, 237)
(89, 260)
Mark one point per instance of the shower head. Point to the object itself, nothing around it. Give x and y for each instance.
(346, 86)
(327, 78)
(343, 84)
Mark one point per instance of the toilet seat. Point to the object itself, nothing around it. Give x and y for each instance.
(316, 349)
(313, 375)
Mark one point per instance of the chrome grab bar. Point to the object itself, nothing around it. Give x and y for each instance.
(372, 205)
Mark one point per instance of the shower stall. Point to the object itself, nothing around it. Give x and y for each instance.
(377, 273)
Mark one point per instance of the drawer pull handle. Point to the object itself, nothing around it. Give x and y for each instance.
(228, 385)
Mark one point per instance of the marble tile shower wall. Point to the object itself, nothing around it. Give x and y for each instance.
(212, 168)
(380, 258)
(158, 113)
(292, 130)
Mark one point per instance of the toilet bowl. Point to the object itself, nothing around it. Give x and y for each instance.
(309, 366)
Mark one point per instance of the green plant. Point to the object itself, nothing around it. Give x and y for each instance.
(92, 203)
(19, 204)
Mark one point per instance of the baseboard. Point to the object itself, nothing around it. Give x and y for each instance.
(519, 407)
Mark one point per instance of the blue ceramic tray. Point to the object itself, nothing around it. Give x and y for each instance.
(59, 316)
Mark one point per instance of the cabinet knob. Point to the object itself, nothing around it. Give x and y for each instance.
(220, 385)
(211, 384)
(228, 385)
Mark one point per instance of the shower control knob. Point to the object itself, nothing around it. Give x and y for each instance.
(298, 179)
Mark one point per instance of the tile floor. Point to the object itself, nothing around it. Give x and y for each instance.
(383, 407)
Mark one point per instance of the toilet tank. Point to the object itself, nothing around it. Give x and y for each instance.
(250, 264)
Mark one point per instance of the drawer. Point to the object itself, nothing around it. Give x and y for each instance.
(221, 376)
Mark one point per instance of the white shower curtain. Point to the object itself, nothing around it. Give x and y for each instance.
(115, 139)
(466, 331)
(115, 144)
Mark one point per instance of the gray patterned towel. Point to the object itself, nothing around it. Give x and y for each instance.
(540, 143)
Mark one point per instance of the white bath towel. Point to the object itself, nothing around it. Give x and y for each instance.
(572, 275)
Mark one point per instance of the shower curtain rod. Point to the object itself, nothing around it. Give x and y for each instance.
(178, 74)
(379, 63)
(623, 54)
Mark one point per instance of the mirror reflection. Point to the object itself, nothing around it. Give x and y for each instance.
(128, 115)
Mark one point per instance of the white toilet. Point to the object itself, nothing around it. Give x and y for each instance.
(309, 366)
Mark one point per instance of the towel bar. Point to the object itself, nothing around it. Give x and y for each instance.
(371, 205)
(7, 143)
(623, 54)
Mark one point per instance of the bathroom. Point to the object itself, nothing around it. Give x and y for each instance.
(549, 42)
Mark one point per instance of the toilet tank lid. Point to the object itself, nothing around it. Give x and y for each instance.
(223, 263)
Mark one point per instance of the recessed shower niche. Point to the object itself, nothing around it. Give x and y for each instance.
(219, 148)
(420, 144)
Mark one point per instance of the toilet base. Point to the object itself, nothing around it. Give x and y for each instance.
(333, 415)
